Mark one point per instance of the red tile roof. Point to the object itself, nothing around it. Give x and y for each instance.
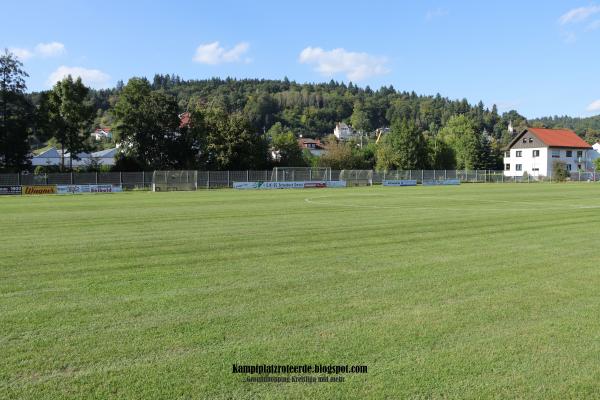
(559, 137)
(184, 119)
(304, 142)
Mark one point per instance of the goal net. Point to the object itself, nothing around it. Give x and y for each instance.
(357, 177)
(163, 181)
(295, 174)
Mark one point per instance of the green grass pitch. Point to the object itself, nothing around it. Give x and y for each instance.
(476, 291)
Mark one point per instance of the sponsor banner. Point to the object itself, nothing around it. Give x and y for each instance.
(318, 184)
(80, 189)
(289, 185)
(246, 185)
(13, 190)
(336, 184)
(72, 189)
(441, 182)
(400, 182)
(282, 185)
(106, 188)
(38, 189)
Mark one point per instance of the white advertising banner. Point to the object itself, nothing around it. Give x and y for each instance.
(79, 189)
(441, 182)
(400, 182)
(289, 185)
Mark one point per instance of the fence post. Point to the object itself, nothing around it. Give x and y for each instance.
(445, 174)
(247, 175)
(422, 175)
(96, 177)
(410, 174)
(227, 178)
(46, 178)
(476, 176)
(265, 171)
(121, 178)
(208, 179)
(71, 178)
(18, 179)
(144, 179)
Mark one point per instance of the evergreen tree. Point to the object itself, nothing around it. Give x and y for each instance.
(15, 114)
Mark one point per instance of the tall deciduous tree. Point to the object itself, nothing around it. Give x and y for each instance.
(460, 134)
(15, 112)
(407, 145)
(70, 114)
(286, 144)
(149, 127)
(227, 141)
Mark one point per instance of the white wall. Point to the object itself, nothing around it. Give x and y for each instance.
(535, 166)
(544, 163)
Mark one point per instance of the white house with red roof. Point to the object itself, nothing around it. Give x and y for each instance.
(535, 151)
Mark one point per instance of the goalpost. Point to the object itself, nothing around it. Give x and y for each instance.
(357, 177)
(296, 174)
(163, 181)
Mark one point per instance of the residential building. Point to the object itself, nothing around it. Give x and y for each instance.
(535, 150)
(315, 147)
(343, 131)
(53, 156)
(102, 134)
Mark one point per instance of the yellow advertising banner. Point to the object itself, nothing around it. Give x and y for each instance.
(39, 189)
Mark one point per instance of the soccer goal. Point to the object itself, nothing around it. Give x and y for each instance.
(357, 177)
(163, 181)
(296, 174)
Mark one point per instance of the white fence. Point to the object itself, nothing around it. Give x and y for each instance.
(224, 179)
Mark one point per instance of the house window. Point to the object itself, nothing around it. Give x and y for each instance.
(568, 167)
(578, 166)
(519, 167)
(530, 140)
(579, 153)
(536, 153)
(555, 153)
(507, 167)
(507, 154)
(519, 153)
(569, 153)
(524, 140)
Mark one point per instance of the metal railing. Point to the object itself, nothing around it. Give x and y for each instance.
(225, 179)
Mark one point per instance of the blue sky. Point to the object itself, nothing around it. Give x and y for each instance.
(539, 57)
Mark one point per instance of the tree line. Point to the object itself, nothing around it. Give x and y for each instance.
(241, 124)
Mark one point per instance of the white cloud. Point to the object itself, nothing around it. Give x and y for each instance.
(22, 54)
(578, 14)
(44, 50)
(356, 66)
(594, 106)
(50, 49)
(213, 53)
(593, 25)
(435, 13)
(91, 77)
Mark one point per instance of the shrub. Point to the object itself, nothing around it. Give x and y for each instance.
(560, 173)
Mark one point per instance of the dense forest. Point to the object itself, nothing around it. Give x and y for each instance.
(237, 124)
